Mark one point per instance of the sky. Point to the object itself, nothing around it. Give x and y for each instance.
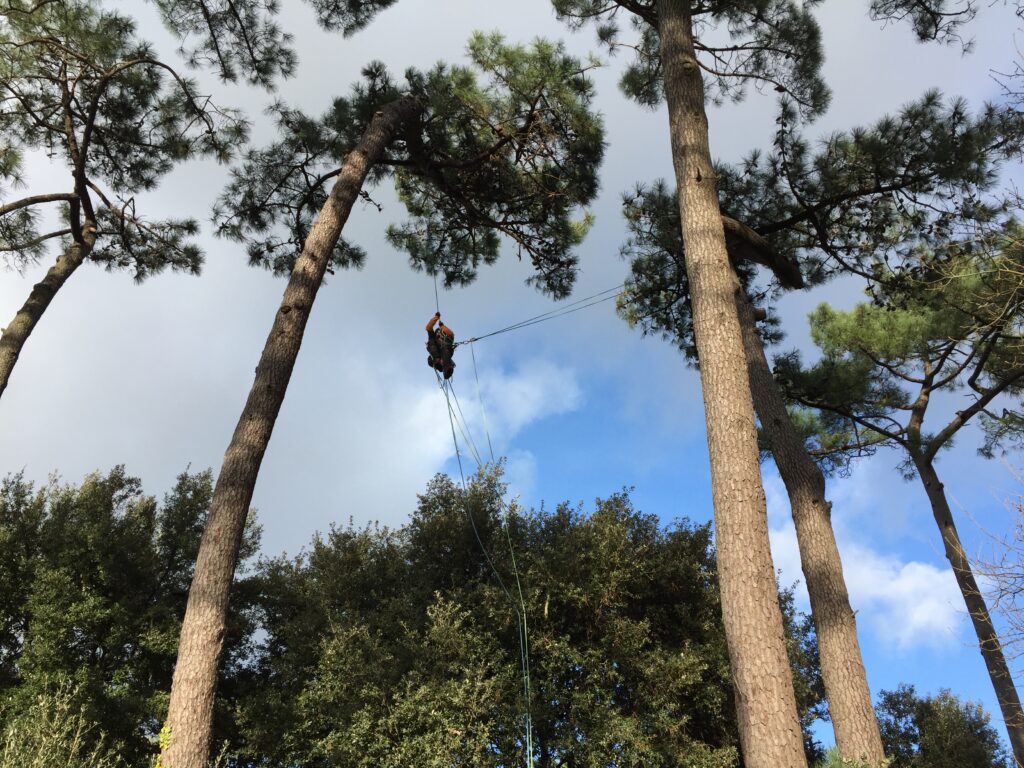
(154, 375)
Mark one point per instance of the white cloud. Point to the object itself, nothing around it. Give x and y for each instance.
(399, 422)
(905, 604)
(508, 401)
(909, 604)
(535, 390)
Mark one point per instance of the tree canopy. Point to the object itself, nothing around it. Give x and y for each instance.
(379, 643)
(506, 147)
(94, 579)
(937, 731)
(864, 198)
(947, 319)
(83, 88)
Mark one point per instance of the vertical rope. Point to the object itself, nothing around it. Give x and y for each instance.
(465, 488)
(522, 628)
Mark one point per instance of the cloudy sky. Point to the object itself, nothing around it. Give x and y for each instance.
(154, 375)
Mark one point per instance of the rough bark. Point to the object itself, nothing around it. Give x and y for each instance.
(766, 706)
(977, 608)
(202, 633)
(842, 668)
(14, 336)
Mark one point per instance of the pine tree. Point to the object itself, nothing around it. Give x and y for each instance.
(945, 318)
(473, 152)
(80, 86)
(920, 171)
(778, 43)
(775, 43)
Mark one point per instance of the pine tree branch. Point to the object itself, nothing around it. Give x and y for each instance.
(25, 202)
(962, 417)
(35, 241)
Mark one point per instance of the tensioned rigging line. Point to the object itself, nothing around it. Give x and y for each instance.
(568, 309)
(463, 424)
(524, 642)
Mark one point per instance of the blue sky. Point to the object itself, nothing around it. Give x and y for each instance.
(154, 375)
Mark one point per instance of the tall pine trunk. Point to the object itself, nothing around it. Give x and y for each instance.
(988, 640)
(14, 336)
(190, 712)
(769, 729)
(842, 668)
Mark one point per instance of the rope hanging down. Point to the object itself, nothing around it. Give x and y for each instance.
(520, 606)
(462, 423)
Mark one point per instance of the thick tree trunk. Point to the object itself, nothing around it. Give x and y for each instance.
(766, 706)
(846, 684)
(190, 712)
(20, 328)
(988, 640)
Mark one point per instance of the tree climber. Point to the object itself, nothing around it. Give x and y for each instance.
(440, 346)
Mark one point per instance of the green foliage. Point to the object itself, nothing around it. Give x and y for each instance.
(242, 39)
(400, 646)
(937, 732)
(93, 584)
(866, 197)
(931, 19)
(349, 16)
(49, 731)
(773, 43)
(656, 297)
(83, 88)
(507, 147)
(236, 37)
(377, 646)
(944, 320)
(873, 193)
(833, 759)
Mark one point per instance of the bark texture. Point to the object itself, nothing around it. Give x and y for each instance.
(193, 687)
(981, 619)
(14, 336)
(766, 706)
(842, 668)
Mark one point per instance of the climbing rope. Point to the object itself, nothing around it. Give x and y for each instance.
(520, 607)
(465, 487)
(457, 419)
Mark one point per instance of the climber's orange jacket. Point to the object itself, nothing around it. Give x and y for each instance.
(442, 328)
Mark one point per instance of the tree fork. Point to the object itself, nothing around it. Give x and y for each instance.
(977, 608)
(14, 336)
(190, 712)
(769, 728)
(842, 667)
